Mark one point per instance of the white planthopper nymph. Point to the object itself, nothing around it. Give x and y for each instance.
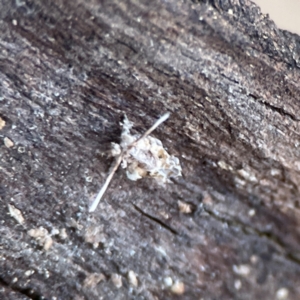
(141, 156)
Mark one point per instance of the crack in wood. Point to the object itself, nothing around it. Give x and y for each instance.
(280, 110)
(156, 220)
(30, 293)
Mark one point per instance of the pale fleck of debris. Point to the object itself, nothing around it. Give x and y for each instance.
(15, 279)
(230, 11)
(21, 149)
(254, 259)
(115, 149)
(63, 234)
(47, 243)
(89, 179)
(131, 276)
(237, 284)
(42, 236)
(14, 22)
(46, 273)
(29, 273)
(16, 214)
(8, 142)
(239, 181)
(93, 279)
(107, 251)
(164, 215)
(247, 175)
(116, 280)
(184, 207)
(38, 232)
(168, 281)
(223, 165)
(243, 270)
(2, 123)
(275, 172)
(54, 231)
(161, 250)
(282, 294)
(251, 212)
(265, 182)
(177, 288)
(207, 200)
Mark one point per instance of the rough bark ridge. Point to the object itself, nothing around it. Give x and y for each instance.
(69, 71)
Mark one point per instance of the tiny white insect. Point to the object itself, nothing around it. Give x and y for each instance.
(142, 156)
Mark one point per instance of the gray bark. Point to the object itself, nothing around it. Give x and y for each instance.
(69, 71)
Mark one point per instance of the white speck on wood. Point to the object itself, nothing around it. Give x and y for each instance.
(42, 236)
(243, 270)
(282, 294)
(29, 273)
(16, 214)
(8, 142)
(237, 284)
(184, 207)
(117, 280)
(177, 288)
(168, 281)
(2, 123)
(132, 278)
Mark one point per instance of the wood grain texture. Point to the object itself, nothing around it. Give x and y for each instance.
(69, 71)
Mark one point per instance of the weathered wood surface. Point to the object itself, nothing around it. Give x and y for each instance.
(69, 71)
